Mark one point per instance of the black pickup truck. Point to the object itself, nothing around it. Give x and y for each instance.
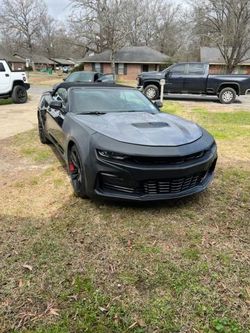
(194, 78)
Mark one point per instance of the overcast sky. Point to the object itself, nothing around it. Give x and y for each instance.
(58, 8)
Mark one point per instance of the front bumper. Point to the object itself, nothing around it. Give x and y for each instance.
(129, 182)
(27, 86)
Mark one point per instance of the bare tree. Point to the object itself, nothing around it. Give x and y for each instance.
(23, 21)
(226, 24)
(48, 35)
(171, 29)
(112, 24)
(100, 25)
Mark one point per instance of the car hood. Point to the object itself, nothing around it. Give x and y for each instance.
(143, 128)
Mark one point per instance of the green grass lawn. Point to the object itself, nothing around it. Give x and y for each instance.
(73, 265)
(6, 101)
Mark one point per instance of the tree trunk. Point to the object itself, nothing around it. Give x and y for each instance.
(113, 64)
(230, 68)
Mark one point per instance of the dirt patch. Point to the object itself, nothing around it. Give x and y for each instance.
(17, 118)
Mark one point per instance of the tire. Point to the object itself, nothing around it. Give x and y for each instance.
(42, 135)
(19, 95)
(227, 95)
(152, 92)
(76, 173)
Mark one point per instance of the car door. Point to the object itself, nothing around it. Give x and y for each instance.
(196, 79)
(4, 79)
(175, 79)
(55, 118)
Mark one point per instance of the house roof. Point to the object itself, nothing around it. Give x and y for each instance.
(37, 58)
(76, 61)
(9, 57)
(61, 61)
(130, 54)
(213, 55)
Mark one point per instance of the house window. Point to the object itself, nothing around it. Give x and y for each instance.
(145, 68)
(97, 67)
(121, 69)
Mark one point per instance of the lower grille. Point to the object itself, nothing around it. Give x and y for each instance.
(159, 186)
(175, 185)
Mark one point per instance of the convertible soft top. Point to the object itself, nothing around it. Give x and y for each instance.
(67, 85)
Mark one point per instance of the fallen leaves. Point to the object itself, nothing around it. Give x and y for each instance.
(28, 316)
(28, 267)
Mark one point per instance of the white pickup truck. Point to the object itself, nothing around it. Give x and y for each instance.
(13, 84)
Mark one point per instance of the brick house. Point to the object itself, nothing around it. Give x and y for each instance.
(213, 56)
(40, 62)
(14, 62)
(61, 62)
(129, 61)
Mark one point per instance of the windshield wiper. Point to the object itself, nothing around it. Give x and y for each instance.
(96, 113)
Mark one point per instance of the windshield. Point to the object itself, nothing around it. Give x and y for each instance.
(83, 77)
(104, 100)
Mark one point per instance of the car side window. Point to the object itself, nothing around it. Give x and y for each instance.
(61, 95)
(2, 69)
(178, 69)
(196, 69)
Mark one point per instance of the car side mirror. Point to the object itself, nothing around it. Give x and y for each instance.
(57, 105)
(158, 104)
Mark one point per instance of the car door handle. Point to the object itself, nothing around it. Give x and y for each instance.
(7, 75)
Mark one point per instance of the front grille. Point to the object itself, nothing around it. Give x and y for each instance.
(157, 186)
(175, 185)
(170, 160)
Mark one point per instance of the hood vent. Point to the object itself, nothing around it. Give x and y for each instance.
(151, 125)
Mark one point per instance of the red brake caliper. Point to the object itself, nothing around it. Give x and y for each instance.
(71, 167)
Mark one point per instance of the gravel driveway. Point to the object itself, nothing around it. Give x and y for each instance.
(17, 118)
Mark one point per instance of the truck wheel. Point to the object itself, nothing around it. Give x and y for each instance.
(227, 95)
(19, 95)
(151, 91)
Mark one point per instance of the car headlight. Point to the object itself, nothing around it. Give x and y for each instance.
(112, 155)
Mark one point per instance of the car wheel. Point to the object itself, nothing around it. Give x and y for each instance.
(151, 91)
(19, 95)
(42, 135)
(76, 173)
(227, 95)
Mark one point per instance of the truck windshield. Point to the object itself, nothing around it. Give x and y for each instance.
(105, 100)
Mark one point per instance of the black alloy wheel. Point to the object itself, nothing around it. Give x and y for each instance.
(42, 136)
(76, 173)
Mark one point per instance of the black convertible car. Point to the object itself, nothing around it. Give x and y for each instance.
(117, 144)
